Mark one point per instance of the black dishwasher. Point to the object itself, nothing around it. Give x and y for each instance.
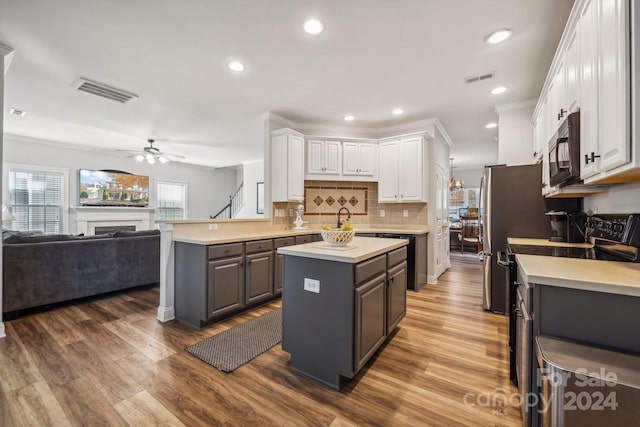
(416, 258)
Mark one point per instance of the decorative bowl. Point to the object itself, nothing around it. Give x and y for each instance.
(337, 237)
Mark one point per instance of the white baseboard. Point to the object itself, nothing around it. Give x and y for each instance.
(432, 280)
(2, 334)
(166, 313)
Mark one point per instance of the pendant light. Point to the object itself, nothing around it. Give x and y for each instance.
(454, 184)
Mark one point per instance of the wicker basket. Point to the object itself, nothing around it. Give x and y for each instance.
(337, 237)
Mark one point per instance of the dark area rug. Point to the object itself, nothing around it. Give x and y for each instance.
(234, 347)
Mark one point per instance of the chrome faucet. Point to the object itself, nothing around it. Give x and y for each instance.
(348, 215)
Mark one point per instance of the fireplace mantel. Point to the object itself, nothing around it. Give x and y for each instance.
(88, 217)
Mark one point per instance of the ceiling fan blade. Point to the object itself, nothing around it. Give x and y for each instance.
(171, 156)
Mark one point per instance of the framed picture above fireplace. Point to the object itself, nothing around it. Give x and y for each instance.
(113, 188)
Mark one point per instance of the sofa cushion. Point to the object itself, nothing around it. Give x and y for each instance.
(136, 233)
(8, 233)
(92, 236)
(31, 238)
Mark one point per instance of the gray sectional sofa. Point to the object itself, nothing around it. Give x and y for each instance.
(47, 269)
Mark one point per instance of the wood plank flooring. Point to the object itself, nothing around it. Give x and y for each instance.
(110, 362)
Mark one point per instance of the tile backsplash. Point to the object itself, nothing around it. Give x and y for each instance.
(340, 193)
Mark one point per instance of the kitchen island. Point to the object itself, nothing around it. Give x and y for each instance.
(197, 289)
(339, 305)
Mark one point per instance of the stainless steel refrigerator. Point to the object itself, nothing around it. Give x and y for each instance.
(512, 205)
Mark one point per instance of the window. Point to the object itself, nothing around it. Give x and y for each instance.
(37, 199)
(461, 200)
(171, 201)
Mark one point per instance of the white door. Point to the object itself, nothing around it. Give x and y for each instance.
(367, 158)
(613, 76)
(439, 230)
(315, 154)
(332, 157)
(295, 178)
(388, 172)
(350, 162)
(411, 169)
(588, 87)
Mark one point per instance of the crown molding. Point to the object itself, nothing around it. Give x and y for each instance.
(7, 53)
(282, 120)
(443, 132)
(515, 106)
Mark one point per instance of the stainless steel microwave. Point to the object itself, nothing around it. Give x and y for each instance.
(564, 152)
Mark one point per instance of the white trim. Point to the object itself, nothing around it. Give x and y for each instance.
(7, 53)
(515, 106)
(166, 309)
(2, 332)
(8, 167)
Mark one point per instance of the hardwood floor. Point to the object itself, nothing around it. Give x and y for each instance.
(110, 362)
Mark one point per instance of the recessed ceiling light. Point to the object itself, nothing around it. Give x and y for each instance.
(349, 117)
(498, 36)
(491, 125)
(236, 66)
(313, 26)
(397, 111)
(498, 90)
(17, 112)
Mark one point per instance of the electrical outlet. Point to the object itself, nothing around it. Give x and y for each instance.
(213, 226)
(405, 213)
(381, 213)
(312, 285)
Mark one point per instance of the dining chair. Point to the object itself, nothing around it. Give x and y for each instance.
(470, 232)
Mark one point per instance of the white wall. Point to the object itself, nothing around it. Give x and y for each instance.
(621, 198)
(209, 189)
(253, 173)
(515, 134)
(471, 177)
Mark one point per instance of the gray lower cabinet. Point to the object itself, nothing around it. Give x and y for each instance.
(279, 262)
(225, 286)
(259, 278)
(332, 331)
(371, 319)
(396, 295)
(307, 238)
(215, 281)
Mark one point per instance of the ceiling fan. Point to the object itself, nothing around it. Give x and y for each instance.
(152, 154)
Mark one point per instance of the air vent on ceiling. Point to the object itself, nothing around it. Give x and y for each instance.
(103, 90)
(478, 78)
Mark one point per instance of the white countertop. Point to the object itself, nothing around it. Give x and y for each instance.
(545, 242)
(217, 237)
(359, 249)
(592, 275)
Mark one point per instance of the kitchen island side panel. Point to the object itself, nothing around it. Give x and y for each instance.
(317, 328)
(191, 283)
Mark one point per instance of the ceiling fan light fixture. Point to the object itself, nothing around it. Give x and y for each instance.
(498, 36)
(163, 159)
(139, 157)
(236, 66)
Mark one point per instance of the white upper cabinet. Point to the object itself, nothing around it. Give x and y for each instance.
(323, 157)
(287, 149)
(359, 159)
(595, 72)
(401, 172)
(606, 138)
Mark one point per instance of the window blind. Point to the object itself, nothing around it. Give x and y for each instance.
(36, 200)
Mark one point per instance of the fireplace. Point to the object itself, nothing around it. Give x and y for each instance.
(96, 219)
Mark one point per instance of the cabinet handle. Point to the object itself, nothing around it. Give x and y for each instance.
(592, 159)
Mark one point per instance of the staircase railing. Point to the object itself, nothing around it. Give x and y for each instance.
(233, 207)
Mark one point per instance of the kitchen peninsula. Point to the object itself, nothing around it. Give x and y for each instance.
(340, 304)
(210, 269)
